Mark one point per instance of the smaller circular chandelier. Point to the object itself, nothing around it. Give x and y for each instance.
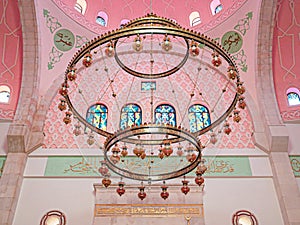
(155, 51)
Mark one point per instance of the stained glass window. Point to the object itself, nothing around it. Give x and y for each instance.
(218, 9)
(102, 19)
(199, 117)
(293, 98)
(165, 114)
(131, 114)
(97, 116)
(215, 7)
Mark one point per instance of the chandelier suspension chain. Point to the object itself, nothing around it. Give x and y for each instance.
(190, 99)
(110, 81)
(133, 79)
(108, 86)
(172, 87)
(194, 86)
(220, 97)
(151, 74)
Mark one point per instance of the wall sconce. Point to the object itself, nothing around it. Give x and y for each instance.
(53, 217)
(244, 217)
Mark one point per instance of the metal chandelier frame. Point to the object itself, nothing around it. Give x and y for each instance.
(152, 24)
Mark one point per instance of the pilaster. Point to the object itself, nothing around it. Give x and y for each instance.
(286, 187)
(10, 186)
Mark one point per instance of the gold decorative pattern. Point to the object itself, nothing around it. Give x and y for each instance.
(195, 210)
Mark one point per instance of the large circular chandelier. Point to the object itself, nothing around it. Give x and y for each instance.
(151, 61)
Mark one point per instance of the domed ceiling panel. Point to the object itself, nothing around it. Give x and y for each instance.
(11, 58)
(286, 58)
(211, 12)
(240, 30)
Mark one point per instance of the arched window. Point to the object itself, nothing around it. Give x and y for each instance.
(215, 7)
(293, 96)
(97, 116)
(102, 19)
(165, 114)
(218, 9)
(4, 94)
(123, 22)
(131, 114)
(199, 117)
(194, 19)
(80, 6)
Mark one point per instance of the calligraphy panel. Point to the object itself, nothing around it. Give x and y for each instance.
(2, 161)
(295, 163)
(72, 166)
(64, 40)
(228, 166)
(195, 210)
(232, 41)
(88, 165)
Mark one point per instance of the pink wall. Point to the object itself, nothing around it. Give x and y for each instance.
(58, 135)
(177, 9)
(286, 56)
(11, 53)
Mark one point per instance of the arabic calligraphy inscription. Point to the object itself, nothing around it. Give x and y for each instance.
(64, 40)
(88, 166)
(295, 163)
(2, 161)
(220, 166)
(107, 210)
(232, 41)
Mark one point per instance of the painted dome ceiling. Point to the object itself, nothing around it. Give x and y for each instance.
(201, 15)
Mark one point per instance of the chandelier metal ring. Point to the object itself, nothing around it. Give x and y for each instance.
(125, 135)
(179, 134)
(129, 31)
(169, 72)
(152, 19)
(105, 53)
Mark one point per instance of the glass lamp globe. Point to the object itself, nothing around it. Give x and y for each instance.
(244, 220)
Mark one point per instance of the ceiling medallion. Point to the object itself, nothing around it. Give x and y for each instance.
(110, 69)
